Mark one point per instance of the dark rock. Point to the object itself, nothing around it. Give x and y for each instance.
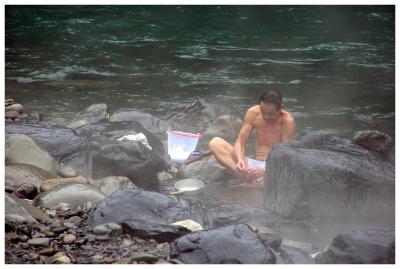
(137, 204)
(347, 181)
(148, 121)
(26, 191)
(230, 244)
(159, 232)
(373, 140)
(226, 127)
(360, 246)
(206, 169)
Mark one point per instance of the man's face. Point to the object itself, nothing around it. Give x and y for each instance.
(269, 111)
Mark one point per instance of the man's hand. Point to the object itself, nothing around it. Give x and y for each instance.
(254, 173)
(241, 166)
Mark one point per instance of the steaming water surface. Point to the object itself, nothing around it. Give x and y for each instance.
(333, 64)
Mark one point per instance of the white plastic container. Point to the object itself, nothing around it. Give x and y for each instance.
(181, 144)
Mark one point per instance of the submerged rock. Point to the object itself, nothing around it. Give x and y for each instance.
(345, 181)
(230, 244)
(73, 194)
(360, 246)
(21, 149)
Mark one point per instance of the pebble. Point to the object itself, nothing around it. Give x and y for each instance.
(9, 102)
(58, 230)
(47, 251)
(109, 259)
(63, 207)
(68, 172)
(103, 238)
(12, 114)
(145, 257)
(69, 238)
(15, 107)
(52, 213)
(75, 220)
(39, 242)
(60, 257)
(24, 245)
(34, 256)
(108, 228)
(97, 258)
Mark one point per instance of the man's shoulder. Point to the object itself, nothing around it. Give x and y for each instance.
(254, 110)
(287, 118)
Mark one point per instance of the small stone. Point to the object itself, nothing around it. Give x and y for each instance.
(108, 228)
(34, 256)
(22, 115)
(47, 251)
(52, 213)
(68, 172)
(15, 107)
(60, 257)
(63, 207)
(39, 242)
(9, 102)
(140, 241)
(175, 261)
(75, 220)
(61, 229)
(23, 238)
(80, 241)
(90, 237)
(109, 259)
(97, 258)
(69, 238)
(144, 257)
(152, 243)
(24, 245)
(12, 114)
(26, 191)
(164, 249)
(126, 243)
(163, 176)
(103, 238)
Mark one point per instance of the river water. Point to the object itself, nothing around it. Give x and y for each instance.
(333, 64)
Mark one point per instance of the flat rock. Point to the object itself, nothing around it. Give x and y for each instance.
(73, 194)
(373, 140)
(52, 183)
(109, 185)
(18, 174)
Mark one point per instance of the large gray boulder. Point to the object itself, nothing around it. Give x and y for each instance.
(360, 246)
(132, 205)
(59, 141)
(133, 159)
(206, 169)
(324, 180)
(73, 194)
(229, 244)
(148, 121)
(21, 149)
(226, 127)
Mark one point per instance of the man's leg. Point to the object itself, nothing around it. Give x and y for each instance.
(223, 152)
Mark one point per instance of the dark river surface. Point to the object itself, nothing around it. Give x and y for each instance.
(333, 64)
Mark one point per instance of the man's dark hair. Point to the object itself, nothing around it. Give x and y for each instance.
(272, 97)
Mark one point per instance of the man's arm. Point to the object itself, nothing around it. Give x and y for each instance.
(244, 134)
(289, 128)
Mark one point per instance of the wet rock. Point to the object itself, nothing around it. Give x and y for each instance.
(14, 205)
(226, 127)
(75, 220)
(163, 175)
(69, 238)
(229, 244)
(360, 246)
(384, 122)
(26, 191)
(12, 114)
(39, 242)
(148, 121)
(103, 238)
(206, 169)
(131, 159)
(15, 107)
(74, 194)
(52, 183)
(108, 228)
(18, 174)
(59, 141)
(9, 102)
(269, 237)
(373, 140)
(154, 207)
(68, 172)
(47, 251)
(109, 185)
(93, 114)
(22, 149)
(347, 181)
(157, 231)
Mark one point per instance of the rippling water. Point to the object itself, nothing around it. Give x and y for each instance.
(330, 62)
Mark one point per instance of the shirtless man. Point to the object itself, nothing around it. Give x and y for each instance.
(273, 125)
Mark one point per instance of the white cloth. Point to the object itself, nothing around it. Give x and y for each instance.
(140, 137)
(251, 163)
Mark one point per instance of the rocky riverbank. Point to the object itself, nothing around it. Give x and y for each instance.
(81, 194)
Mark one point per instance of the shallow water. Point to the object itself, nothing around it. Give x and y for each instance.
(331, 63)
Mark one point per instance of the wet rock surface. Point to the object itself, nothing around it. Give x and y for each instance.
(373, 140)
(230, 244)
(328, 180)
(361, 247)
